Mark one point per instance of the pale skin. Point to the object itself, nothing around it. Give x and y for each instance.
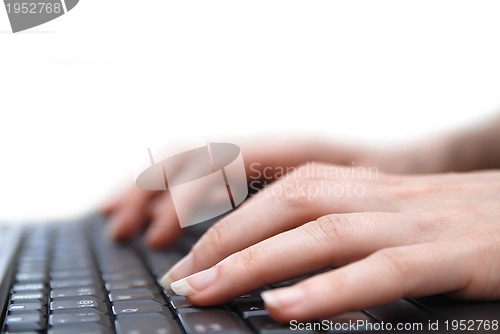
(416, 230)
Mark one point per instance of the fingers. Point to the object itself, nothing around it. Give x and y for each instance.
(284, 205)
(225, 238)
(113, 203)
(383, 277)
(130, 214)
(275, 152)
(164, 227)
(327, 241)
(110, 206)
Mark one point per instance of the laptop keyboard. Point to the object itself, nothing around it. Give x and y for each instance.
(69, 279)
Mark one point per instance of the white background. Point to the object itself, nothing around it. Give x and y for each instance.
(78, 95)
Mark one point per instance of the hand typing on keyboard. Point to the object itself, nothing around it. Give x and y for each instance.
(390, 232)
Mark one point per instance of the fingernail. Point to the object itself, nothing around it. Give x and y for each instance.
(179, 270)
(195, 283)
(283, 297)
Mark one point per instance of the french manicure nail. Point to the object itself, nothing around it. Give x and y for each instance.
(179, 270)
(195, 283)
(283, 297)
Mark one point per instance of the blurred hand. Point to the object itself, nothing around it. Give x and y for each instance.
(390, 236)
(476, 148)
(138, 208)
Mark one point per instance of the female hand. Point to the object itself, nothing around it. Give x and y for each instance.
(138, 208)
(389, 236)
(462, 151)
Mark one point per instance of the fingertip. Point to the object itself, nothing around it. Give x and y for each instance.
(278, 315)
(166, 280)
(112, 229)
(154, 244)
(153, 237)
(181, 269)
(107, 209)
(116, 229)
(282, 302)
(109, 233)
(156, 237)
(182, 287)
(104, 210)
(283, 297)
(111, 205)
(151, 240)
(268, 298)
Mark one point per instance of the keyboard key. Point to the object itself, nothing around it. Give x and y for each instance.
(77, 292)
(289, 282)
(29, 296)
(34, 259)
(70, 274)
(72, 283)
(128, 284)
(183, 306)
(30, 277)
(146, 323)
(400, 311)
(25, 322)
(132, 294)
(171, 294)
(358, 318)
(251, 309)
(162, 264)
(124, 275)
(79, 318)
(251, 296)
(266, 325)
(63, 266)
(160, 268)
(139, 306)
(183, 303)
(85, 328)
(18, 287)
(452, 309)
(27, 307)
(83, 303)
(120, 266)
(26, 269)
(212, 321)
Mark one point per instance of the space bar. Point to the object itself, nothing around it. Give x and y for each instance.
(146, 323)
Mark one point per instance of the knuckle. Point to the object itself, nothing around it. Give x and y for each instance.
(294, 193)
(331, 229)
(426, 230)
(247, 259)
(302, 187)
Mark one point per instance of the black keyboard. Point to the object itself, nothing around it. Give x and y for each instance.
(69, 279)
